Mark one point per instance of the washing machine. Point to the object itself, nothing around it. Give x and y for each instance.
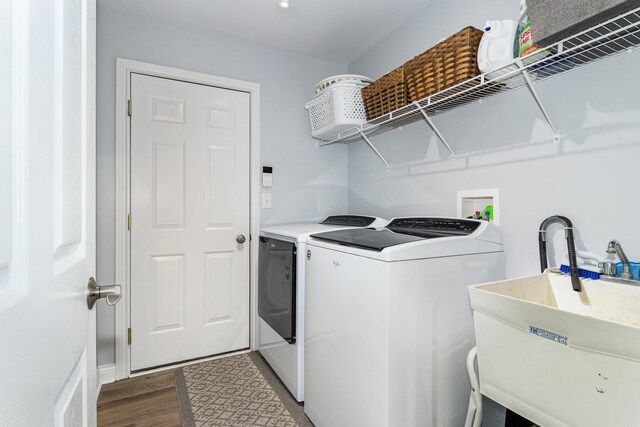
(388, 321)
(281, 291)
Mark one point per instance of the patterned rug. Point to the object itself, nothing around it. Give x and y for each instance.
(235, 391)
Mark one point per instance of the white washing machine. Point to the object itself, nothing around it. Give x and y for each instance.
(281, 290)
(388, 321)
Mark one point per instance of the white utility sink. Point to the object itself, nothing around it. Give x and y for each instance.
(560, 357)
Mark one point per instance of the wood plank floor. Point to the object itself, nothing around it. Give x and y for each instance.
(148, 400)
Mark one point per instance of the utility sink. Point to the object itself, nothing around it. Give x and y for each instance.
(560, 357)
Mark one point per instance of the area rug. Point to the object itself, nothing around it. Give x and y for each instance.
(235, 391)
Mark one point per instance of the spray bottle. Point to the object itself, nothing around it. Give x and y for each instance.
(524, 44)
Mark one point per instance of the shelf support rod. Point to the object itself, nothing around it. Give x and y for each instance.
(536, 97)
(375, 150)
(434, 128)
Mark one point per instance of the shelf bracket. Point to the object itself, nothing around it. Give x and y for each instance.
(435, 129)
(375, 150)
(536, 97)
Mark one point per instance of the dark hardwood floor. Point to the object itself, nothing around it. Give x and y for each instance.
(148, 400)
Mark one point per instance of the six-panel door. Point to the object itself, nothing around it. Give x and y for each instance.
(189, 201)
(47, 212)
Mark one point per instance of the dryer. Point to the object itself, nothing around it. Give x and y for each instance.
(281, 291)
(388, 321)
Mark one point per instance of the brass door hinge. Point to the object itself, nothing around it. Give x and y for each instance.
(129, 336)
(129, 107)
(129, 222)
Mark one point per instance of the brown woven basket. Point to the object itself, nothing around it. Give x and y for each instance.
(386, 94)
(448, 63)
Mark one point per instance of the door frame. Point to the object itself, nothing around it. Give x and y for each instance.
(124, 69)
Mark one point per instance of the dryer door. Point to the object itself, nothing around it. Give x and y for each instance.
(277, 286)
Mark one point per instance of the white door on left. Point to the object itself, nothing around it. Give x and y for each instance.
(47, 212)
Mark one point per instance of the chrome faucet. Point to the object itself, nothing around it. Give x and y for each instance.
(571, 248)
(615, 248)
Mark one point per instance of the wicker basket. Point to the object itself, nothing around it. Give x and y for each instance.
(450, 62)
(386, 94)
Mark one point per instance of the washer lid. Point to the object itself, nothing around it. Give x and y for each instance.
(366, 238)
(415, 238)
(301, 232)
(400, 231)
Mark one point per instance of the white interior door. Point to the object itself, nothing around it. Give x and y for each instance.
(189, 203)
(47, 212)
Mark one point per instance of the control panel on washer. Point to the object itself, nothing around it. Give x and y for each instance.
(442, 225)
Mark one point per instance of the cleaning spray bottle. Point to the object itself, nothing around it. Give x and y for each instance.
(523, 44)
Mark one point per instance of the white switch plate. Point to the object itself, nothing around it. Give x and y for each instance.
(266, 200)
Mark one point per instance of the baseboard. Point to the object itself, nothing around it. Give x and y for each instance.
(106, 374)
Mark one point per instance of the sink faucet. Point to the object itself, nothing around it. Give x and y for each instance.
(614, 248)
(571, 248)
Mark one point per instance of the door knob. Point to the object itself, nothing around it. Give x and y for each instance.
(241, 239)
(112, 293)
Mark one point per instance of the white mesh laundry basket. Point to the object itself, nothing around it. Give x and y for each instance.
(352, 78)
(335, 109)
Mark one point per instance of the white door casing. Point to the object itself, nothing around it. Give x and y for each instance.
(125, 68)
(47, 212)
(189, 202)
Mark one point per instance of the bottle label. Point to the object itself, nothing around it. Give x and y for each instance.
(526, 42)
(525, 37)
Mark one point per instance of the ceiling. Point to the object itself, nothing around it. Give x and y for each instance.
(337, 30)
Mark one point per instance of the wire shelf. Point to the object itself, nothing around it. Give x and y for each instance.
(612, 37)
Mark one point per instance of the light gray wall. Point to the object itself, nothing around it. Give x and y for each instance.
(591, 176)
(308, 183)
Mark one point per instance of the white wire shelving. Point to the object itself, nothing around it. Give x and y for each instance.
(607, 39)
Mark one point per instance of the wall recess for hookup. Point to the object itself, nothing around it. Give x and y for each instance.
(472, 201)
